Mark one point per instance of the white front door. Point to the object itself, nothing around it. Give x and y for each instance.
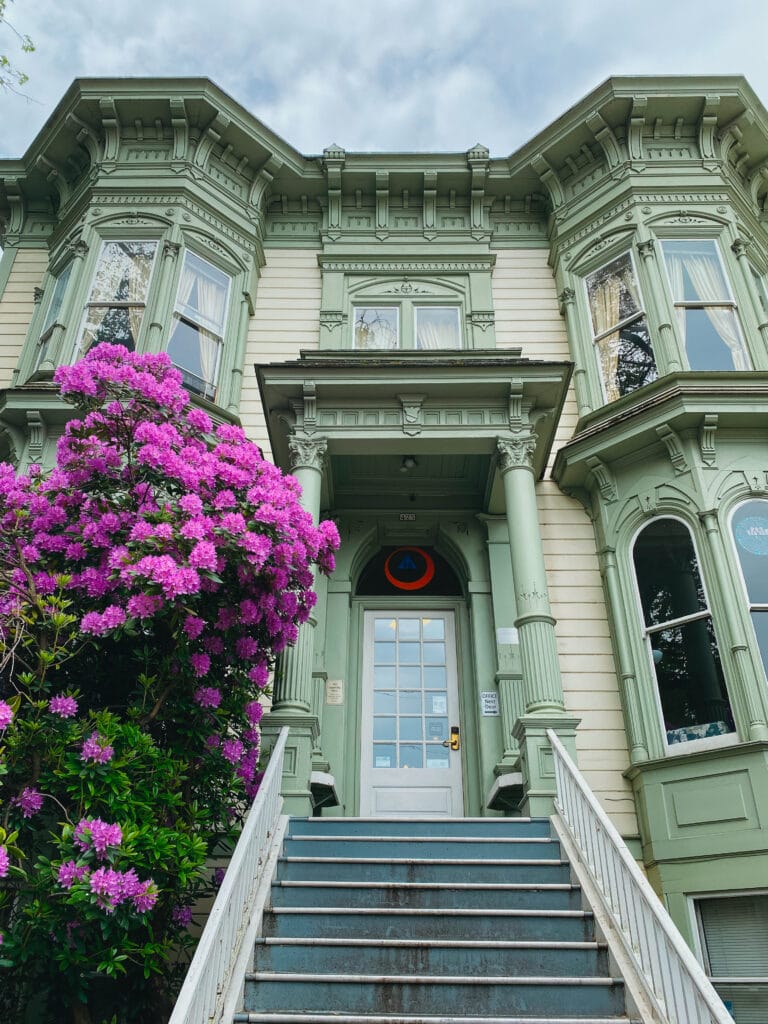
(410, 704)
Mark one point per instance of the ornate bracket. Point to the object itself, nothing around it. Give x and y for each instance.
(412, 414)
(310, 406)
(707, 439)
(37, 433)
(672, 443)
(604, 478)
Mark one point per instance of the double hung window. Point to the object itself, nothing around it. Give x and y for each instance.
(679, 634)
(52, 314)
(733, 932)
(704, 307)
(409, 326)
(750, 533)
(118, 295)
(620, 329)
(199, 322)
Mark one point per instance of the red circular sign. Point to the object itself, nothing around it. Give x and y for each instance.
(400, 567)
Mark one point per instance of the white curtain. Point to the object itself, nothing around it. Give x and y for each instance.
(605, 301)
(211, 301)
(138, 269)
(704, 271)
(436, 335)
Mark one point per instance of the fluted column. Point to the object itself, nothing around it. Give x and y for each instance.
(542, 686)
(666, 343)
(293, 683)
(567, 299)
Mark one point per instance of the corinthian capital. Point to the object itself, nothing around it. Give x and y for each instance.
(306, 453)
(516, 451)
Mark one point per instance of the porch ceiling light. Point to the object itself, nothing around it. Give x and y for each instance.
(408, 463)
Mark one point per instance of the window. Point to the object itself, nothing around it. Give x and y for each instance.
(619, 328)
(118, 296)
(52, 315)
(680, 635)
(423, 327)
(750, 534)
(762, 291)
(733, 931)
(199, 321)
(705, 310)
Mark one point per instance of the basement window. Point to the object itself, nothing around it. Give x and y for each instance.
(733, 932)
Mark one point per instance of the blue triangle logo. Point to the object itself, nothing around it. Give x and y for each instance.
(406, 562)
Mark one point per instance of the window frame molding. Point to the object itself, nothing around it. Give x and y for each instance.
(746, 605)
(643, 634)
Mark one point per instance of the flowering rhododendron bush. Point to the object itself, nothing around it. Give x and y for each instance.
(146, 584)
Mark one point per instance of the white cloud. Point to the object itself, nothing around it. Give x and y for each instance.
(382, 74)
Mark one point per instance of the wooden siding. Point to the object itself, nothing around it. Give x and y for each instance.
(17, 306)
(287, 319)
(527, 315)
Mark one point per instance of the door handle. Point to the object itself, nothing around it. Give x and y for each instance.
(454, 742)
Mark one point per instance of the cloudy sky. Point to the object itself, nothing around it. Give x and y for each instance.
(381, 74)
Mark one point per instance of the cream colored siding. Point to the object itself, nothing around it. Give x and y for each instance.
(527, 314)
(17, 306)
(286, 320)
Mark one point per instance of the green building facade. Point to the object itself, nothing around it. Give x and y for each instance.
(531, 390)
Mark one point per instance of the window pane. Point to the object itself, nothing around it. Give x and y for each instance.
(694, 700)
(383, 654)
(437, 756)
(667, 572)
(613, 294)
(384, 629)
(203, 293)
(437, 327)
(434, 679)
(376, 327)
(384, 755)
(384, 728)
(410, 677)
(384, 702)
(384, 677)
(411, 729)
(195, 352)
(713, 339)
(434, 629)
(750, 531)
(410, 702)
(434, 654)
(408, 629)
(116, 326)
(411, 755)
(123, 272)
(760, 623)
(57, 299)
(694, 269)
(437, 729)
(626, 359)
(408, 654)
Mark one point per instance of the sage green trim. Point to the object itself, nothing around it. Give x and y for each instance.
(6, 264)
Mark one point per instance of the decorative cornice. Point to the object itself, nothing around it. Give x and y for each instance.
(404, 266)
(307, 453)
(515, 452)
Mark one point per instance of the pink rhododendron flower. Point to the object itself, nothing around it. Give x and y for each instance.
(193, 626)
(182, 916)
(113, 887)
(96, 749)
(97, 835)
(200, 663)
(4, 862)
(6, 715)
(208, 696)
(254, 712)
(63, 706)
(30, 800)
(69, 873)
(232, 750)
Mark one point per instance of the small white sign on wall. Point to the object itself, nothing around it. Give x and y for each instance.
(334, 691)
(507, 635)
(489, 703)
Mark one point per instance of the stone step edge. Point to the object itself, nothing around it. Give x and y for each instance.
(432, 886)
(347, 1018)
(419, 821)
(541, 840)
(429, 943)
(459, 862)
(431, 979)
(431, 911)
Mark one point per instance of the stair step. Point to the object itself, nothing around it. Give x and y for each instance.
(440, 848)
(407, 869)
(556, 896)
(339, 922)
(403, 956)
(351, 1018)
(422, 827)
(359, 993)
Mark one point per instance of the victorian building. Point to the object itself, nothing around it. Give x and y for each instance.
(532, 390)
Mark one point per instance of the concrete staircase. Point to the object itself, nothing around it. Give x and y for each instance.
(427, 922)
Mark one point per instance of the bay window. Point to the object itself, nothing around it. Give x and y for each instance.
(749, 525)
(704, 307)
(680, 635)
(619, 328)
(199, 321)
(118, 295)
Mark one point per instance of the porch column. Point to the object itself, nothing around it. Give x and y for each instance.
(292, 700)
(542, 684)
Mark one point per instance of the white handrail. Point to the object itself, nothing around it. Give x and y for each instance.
(205, 986)
(672, 975)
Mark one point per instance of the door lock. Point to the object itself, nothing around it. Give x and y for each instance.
(454, 742)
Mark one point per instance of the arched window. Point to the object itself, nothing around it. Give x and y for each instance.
(750, 533)
(680, 635)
